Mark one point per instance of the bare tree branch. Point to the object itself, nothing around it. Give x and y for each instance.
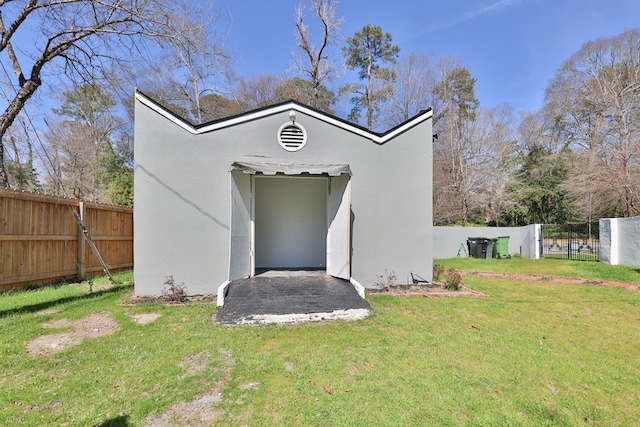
(320, 68)
(83, 36)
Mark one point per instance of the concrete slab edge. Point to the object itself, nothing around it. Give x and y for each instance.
(221, 290)
(260, 319)
(358, 287)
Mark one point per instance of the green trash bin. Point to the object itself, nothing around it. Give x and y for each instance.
(501, 247)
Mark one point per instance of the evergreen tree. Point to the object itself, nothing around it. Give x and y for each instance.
(91, 166)
(538, 188)
(115, 174)
(364, 52)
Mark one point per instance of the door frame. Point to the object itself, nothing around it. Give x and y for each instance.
(254, 177)
(338, 251)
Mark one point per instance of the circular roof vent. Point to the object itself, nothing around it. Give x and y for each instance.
(292, 136)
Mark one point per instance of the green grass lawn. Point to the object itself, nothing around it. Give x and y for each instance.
(530, 354)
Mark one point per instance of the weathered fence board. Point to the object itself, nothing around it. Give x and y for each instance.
(40, 241)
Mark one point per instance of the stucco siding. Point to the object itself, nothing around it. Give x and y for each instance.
(182, 196)
(395, 215)
(620, 241)
(629, 241)
(608, 240)
(179, 214)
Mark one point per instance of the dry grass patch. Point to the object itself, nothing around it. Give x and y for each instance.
(194, 364)
(91, 326)
(145, 318)
(202, 410)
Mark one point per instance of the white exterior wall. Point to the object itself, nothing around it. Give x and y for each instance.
(620, 241)
(608, 241)
(531, 236)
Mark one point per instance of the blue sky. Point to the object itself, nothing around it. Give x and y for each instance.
(512, 47)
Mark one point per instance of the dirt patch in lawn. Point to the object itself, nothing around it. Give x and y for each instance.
(169, 299)
(145, 318)
(91, 326)
(202, 410)
(194, 364)
(435, 290)
(552, 279)
(430, 290)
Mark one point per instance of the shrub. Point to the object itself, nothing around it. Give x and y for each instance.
(174, 292)
(386, 282)
(452, 280)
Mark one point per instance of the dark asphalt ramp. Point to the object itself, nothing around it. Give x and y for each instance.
(290, 299)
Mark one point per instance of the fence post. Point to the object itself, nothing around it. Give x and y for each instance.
(81, 252)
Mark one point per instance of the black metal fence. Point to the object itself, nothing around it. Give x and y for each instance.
(571, 241)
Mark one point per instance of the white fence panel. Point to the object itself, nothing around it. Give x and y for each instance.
(620, 241)
(450, 242)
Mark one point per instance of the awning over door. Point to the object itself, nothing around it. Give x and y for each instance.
(288, 168)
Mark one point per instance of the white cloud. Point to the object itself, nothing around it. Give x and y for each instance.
(456, 20)
(502, 4)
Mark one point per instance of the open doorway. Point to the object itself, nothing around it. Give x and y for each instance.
(290, 216)
(290, 222)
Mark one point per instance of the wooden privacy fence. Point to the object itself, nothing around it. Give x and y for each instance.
(40, 241)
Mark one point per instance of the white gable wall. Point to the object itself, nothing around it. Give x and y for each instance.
(183, 199)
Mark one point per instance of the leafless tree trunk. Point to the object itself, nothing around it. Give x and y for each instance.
(415, 80)
(320, 67)
(456, 140)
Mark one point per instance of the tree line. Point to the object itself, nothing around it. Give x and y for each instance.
(575, 159)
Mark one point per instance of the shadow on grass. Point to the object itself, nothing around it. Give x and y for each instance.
(31, 308)
(120, 421)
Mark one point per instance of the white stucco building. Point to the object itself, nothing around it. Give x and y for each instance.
(285, 186)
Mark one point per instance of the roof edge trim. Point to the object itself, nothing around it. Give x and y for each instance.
(145, 100)
(379, 138)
